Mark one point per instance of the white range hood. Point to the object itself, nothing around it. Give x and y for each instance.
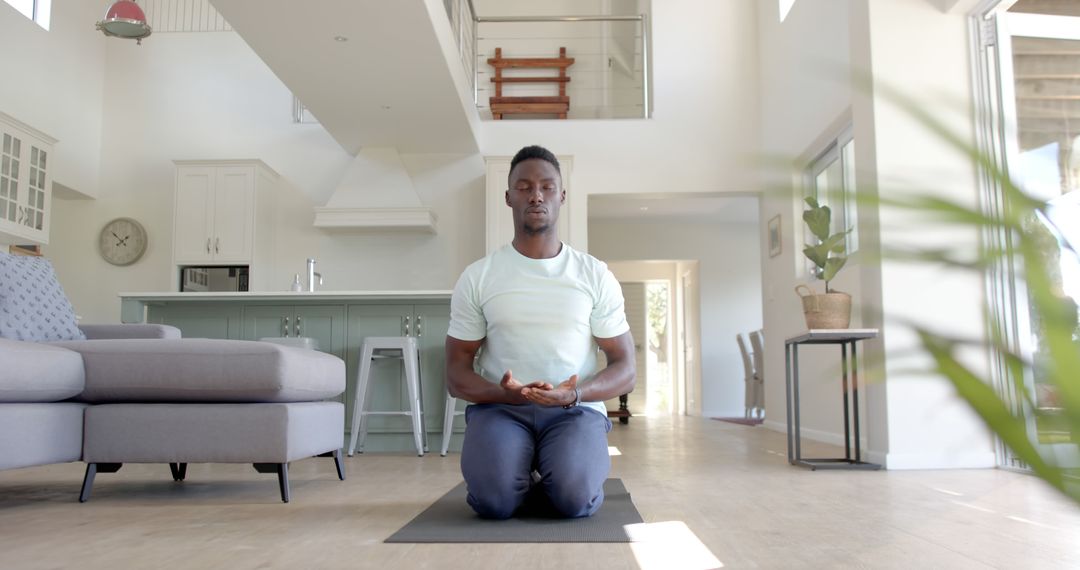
(376, 193)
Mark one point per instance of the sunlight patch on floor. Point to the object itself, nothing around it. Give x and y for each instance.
(669, 545)
(613, 451)
(948, 492)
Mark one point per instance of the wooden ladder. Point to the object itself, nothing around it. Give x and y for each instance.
(559, 105)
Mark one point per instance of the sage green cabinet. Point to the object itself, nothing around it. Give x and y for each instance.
(428, 323)
(324, 323)
(209, 320)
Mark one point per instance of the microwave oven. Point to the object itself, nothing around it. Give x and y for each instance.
(214, 278)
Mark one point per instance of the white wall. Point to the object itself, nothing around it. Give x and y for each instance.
(806, 100)
(929, 426)
(453, 186)
(208, 96)
(54, 81)
(730, 291)
(808, 65)
(705, 125)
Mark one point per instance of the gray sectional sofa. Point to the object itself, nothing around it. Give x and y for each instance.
(115, 394)
(39, 424)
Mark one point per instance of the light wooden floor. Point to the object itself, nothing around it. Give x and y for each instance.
(710, 491)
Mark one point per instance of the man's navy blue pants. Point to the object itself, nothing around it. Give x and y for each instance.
(505, 444)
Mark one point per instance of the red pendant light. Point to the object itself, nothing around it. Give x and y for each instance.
(125, 19)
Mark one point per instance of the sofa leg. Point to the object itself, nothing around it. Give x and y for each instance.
(92, 470)
(283, 481)
(88, 482)
(336, 454)
(340, 464)
(282, 470)
(179, 471)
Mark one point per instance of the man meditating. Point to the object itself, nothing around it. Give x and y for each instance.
(536, 431)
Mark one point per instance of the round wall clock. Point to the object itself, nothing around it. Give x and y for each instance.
(122, 241)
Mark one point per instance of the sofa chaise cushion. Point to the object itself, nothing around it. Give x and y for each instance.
(132, 330)
(32, 372)
(205, 370)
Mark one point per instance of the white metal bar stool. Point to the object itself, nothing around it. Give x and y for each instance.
(451, 410)
(387, 347)
(448, 422)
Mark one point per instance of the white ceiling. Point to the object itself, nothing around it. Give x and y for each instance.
(715, 208)
(389, 85)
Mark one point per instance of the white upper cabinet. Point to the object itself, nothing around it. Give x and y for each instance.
(234, 213)
(214, 218)
(193, 216)
(26, 159)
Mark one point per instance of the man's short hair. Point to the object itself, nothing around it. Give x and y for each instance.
(531, 152)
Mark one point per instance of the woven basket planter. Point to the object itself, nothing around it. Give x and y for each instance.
(828, 311)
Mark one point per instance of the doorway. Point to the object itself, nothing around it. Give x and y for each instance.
(708, 248)
(657, 307)
(649, 311)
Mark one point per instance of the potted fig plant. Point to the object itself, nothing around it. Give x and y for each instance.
(831, 310)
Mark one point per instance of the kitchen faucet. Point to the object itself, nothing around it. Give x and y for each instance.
(311, 275)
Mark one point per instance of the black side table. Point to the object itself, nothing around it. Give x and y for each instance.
(845, 338)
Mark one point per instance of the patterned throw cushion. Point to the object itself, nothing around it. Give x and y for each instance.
(33, 306)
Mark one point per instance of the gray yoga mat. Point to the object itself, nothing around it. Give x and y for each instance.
(450, 519)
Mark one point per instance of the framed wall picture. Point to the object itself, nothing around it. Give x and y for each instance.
(774, 236)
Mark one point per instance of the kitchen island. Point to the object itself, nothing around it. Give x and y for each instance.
(338, 321)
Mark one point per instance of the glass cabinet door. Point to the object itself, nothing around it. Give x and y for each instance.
(25, 195)
(9, 177)
(33, 213)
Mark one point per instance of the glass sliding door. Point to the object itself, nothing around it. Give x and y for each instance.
(1028, 79)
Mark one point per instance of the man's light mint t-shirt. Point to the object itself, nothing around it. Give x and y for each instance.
(538, 316)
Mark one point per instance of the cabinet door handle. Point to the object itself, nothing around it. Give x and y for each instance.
(406, 326)
(286, 328)
(418, 324)
(207, 245)
(297, 326)
(217, 244)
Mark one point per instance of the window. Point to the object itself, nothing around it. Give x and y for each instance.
(785, 7)
(830, 179)
(39, 11)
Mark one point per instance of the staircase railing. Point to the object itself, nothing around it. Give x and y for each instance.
(463, 22)
(183, 16)
(611, 79)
